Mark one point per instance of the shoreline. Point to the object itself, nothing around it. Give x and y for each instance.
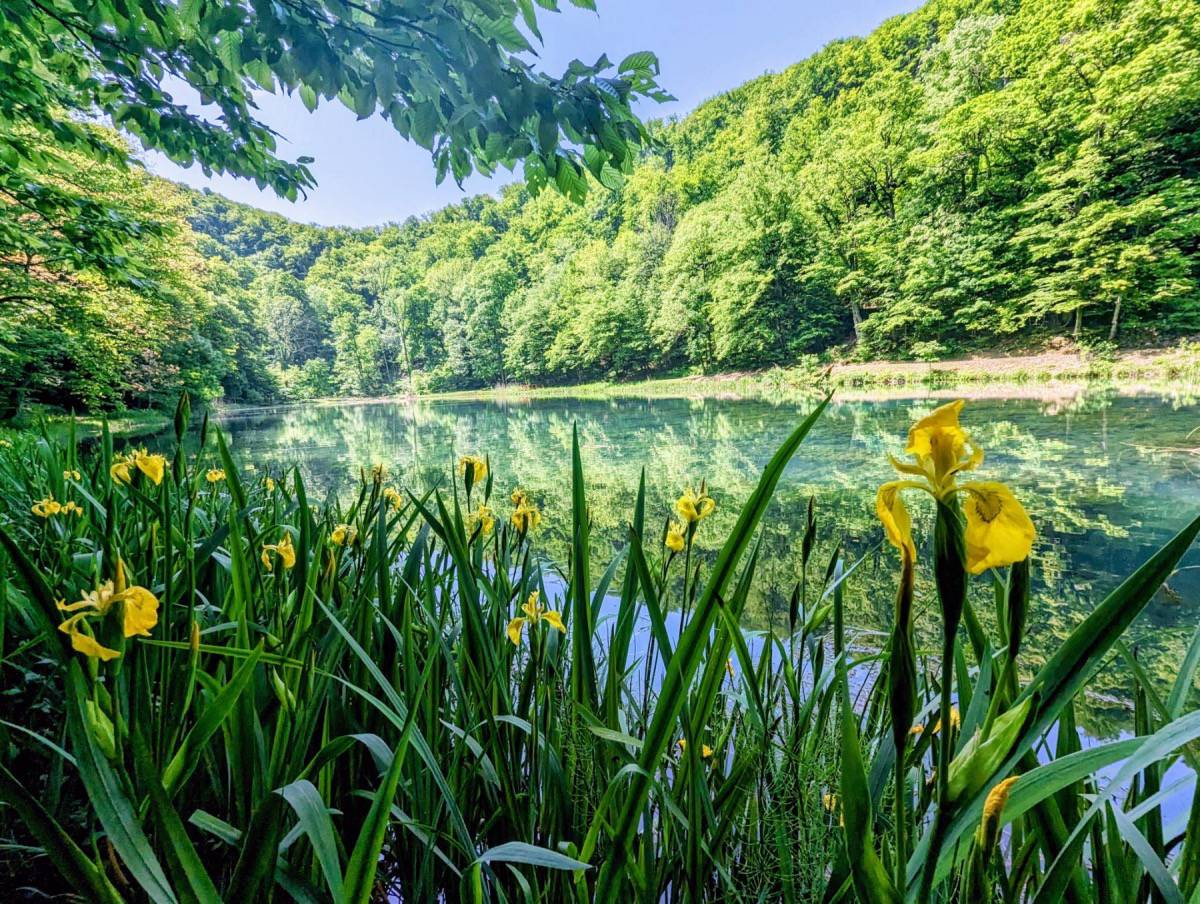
(1050, 376)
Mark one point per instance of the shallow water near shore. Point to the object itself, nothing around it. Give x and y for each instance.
(1107, 478)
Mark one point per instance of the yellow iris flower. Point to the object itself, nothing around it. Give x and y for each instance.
(344, 535)
(140, 615)
(214, 475)
(269, 483)
(993, 808)
(472, 469)
(705, 750)
(693, 506)
(999, 531)
(526, 517)
(675, 537)
(955, 723)
(46, 508)
(121, 470)
(395, 500)
(483, 518)
(71, 474)
(283, 550)
(152, 465)
(534, 612)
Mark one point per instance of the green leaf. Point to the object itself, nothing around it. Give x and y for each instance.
(364, 861)
(683, 663)
(179, 849)
(108, 798)
(531, 855)
(314, 821)
(187, 757)
(642, 61)
(81, 874)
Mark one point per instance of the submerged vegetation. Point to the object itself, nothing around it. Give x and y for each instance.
(219, 689)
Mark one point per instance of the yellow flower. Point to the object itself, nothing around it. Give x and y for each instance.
(71, 474)
(832, 804)
(344, 535)
(214, 475)
(472, 470)
(534, 612)
(284, 551)
(519, 497)
(999, 531)
(993, 805)
(705, 750)
(269, 483)
(72, 508)
(121, 471)
(526, 517)
(916, 730)
(941, 447)
(993, 808)
(897, 525)
(395, 500)
(675, 537)
(693, 506)
(140, 615)
(152, 466)
(483, 518)
(46, 508)
(5, 444)
(955, 721)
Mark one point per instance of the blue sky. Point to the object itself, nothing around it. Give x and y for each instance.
(367, 174)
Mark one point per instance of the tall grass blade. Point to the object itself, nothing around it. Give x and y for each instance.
(686, 659)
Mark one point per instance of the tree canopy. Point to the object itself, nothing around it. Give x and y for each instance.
(973, 175)
(455, 77)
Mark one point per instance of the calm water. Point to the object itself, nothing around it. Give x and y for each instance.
(1103, 476)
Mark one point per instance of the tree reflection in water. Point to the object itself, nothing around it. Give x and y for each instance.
(1087, 467)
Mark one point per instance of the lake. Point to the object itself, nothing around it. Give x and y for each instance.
(1107, 478)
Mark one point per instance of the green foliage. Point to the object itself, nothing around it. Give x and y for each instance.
(971, 174)
(92, 250)
(357, 722)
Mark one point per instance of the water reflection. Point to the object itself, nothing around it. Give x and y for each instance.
(1092, 469)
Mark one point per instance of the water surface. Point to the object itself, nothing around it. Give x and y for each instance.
(1106, 478)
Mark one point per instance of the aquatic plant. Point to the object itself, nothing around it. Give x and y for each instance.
(392, 693)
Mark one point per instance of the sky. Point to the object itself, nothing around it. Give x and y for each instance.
(367, 174)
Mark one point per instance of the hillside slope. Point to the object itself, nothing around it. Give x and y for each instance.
(972, 174)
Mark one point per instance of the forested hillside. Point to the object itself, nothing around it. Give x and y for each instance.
(970, 175)
(976, 174)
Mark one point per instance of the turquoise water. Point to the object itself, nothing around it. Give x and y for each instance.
(1106, 478)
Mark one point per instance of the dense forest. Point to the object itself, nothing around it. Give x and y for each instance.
(975, 174)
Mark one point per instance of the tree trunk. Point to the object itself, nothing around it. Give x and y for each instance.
(856, 316)
(1112, 330)
(407, 360)
(1078, 331)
